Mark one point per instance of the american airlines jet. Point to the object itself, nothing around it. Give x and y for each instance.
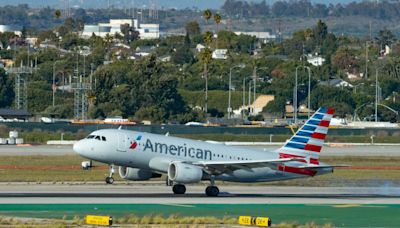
(141, 156)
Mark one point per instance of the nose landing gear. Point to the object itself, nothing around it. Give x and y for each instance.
(110, 179)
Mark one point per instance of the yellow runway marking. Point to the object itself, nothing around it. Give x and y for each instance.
(347, 205)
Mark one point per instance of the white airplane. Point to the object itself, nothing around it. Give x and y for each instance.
(141, 156)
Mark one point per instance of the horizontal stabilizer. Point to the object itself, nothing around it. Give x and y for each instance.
(322, 166)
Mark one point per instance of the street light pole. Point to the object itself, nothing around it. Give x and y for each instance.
(376, 95)
(230, 88)
(54, 83)
(309, 93)
(295, 99)
(255, 83)
(295, 93)
(229, 96)
(254, 89)
(244, 97)
(366, 59)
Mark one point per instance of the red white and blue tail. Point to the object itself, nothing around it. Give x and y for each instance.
(308, 140)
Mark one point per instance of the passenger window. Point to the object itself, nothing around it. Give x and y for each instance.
(103, 138)
(97, 137)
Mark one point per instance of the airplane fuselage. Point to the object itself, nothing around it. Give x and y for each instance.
(155, 153)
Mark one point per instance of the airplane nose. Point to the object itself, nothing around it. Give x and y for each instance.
(79, 148)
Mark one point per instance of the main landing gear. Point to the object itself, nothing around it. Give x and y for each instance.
(180, 189)
(110, 179)
(212, 190)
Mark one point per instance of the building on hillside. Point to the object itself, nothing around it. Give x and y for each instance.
(220, 54)
(263, 36)
(302, 111)
(315, 60)
(200, 47)
(146, 31)
(336, 82)
(9, 28)
(256, 107)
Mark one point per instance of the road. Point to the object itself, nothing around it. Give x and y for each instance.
(337, 150)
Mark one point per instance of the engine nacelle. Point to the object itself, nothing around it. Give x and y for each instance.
(134, 174)
(184, 173)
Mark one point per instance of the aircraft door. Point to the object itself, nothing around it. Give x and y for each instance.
(123, 142)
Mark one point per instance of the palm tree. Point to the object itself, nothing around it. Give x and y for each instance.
(57, 14)
(206, 56)
(217, 19)
(207, 14)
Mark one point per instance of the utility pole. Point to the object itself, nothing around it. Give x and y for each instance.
(244, 96)
(376, 95)
(206, 95)
(366, 59)
(254, 87)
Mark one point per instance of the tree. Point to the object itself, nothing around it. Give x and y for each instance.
(385, 37)
(206, 56)
(192, 29)
(6, 89)
(57, 14)
(327, 96)
(320, 32)
(129, 32)
(183, 54)
(207, 14)
(217, 19)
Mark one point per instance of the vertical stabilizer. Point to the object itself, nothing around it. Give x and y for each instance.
(309, 139)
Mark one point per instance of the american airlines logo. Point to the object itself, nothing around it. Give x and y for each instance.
(134, 144)
(177, 150)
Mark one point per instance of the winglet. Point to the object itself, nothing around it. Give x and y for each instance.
(120, 127)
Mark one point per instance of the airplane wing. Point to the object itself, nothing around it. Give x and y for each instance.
(219, 167)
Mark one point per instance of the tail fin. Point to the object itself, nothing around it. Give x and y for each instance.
(308, 140)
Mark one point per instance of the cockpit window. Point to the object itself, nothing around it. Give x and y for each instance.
(103, 138)
(90, 136)
(98, 137)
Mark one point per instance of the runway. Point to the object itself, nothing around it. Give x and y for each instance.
(159, 194)
(336, 150)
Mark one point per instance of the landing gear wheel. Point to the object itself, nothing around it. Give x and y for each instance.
(179, 189)
(109, 180)
(212, 191)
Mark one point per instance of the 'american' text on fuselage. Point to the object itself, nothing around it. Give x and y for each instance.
(180, 151)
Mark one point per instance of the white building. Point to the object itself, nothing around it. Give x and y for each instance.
(9, 28)
(315, 60)
(220, 54)
(259, 35)
(146, 31)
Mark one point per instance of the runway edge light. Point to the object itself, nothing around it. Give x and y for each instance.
(99, 220)
(254, 221)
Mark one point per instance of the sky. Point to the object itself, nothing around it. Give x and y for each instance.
(179, 4)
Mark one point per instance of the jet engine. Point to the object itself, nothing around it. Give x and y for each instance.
(134, 174)
(184, 173)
